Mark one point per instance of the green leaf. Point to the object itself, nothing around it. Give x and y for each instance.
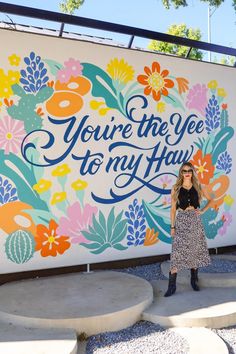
(118, 218)
(120, 247)
(119, 237)
(118, 229)
(90, 246)
(53, 65)
(101, 249)
(110, 223)
(40, 216)
(174, 101)
(93, 237)
(208, 144)
(220, 142)
(102, 221)
(101, 84)
(98, 228)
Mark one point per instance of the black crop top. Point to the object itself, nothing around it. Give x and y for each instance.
(187, 198)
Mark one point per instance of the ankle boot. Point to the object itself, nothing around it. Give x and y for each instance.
(194, 279)
(172, 284)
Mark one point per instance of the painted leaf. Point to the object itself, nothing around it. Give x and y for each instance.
(101, 249)
(173, 100)
(40, 216)
(102, 221)
(120, 247)
(91, 246)
(98, 228)
(220, 142)
(110, 224)
(53, 65)
(119, 237)
(93, 237)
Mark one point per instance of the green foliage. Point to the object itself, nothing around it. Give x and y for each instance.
(225, 60)
(170, 48)
(69, 6)
(181, 3)
(106, 233)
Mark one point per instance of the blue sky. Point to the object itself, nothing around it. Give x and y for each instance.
(148, 14)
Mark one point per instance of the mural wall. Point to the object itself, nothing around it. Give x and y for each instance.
(91, 139)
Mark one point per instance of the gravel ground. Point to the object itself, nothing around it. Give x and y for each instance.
(142, 338)
(229, 337)
(146, 337)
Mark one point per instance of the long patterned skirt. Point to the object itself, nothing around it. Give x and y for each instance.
(189, 247)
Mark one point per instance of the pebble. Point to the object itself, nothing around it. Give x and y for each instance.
(219, 266)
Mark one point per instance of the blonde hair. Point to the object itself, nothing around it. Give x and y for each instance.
(194, 180)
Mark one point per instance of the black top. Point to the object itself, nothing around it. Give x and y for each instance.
(187, 198)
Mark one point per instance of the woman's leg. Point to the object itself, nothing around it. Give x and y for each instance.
(172, 282)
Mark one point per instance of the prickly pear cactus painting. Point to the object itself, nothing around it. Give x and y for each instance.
(90, 147)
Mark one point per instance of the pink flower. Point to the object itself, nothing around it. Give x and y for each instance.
(73, 67)
(11, 135)
(165, 181)
(77, 220)
(197, 98)
(166, 200)
(63, 75)
(227, 217)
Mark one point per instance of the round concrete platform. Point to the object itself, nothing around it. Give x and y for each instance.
(22, 340)
(205, 279)
(91, 303)
(212, 308)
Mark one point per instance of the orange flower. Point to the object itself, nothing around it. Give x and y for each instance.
(7, 102)
(224, 106)
(49, 242)
(155, 81)
(40, 112)
(182, 84)
(203, 166)
(216, 191)
(151, 237)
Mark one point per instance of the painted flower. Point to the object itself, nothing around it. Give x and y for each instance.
(212, 84)
(63, 75)
(73, 67)
(13, 77)
(120, 72)
(14, 59)
(166, 200)
(197, 98)
(161, 107)
(77, 220)
(165, 181)
(203, 166)
(8, 193)
(42, 186)
(48, 242)
(11, 134)
(212, 115)
(61, 170)
(224, 162)
(155, 81)
(221, 92)
(228, 200)
(227, 218)
(182, 84)
(58, 197)
(151, 237)
(79, 185)
(224, 106)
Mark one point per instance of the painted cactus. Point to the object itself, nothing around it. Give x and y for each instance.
(25, 109)
(20, 246)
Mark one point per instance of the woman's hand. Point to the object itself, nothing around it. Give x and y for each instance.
(172, 232)
(198, 211)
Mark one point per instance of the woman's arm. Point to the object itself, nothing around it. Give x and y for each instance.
(172, 213)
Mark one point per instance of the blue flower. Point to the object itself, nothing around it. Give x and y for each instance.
(34, 77)
(136, 224)
(7, 192)
(212, 115)
(224, 162)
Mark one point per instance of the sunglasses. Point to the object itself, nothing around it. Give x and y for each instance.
(187, 171)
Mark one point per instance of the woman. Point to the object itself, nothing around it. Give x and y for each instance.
(189, 247)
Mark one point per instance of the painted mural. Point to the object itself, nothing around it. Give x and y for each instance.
(90, 146)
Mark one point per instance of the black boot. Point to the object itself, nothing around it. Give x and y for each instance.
(172, 284)
(194, 279)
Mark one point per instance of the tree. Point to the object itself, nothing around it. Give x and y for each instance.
(225, 60)
(171, 48)
(179, 3)
(69, 6)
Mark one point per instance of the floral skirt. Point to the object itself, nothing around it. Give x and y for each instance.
(189, 246)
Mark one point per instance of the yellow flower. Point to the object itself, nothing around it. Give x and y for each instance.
(5, 90)
(79, 185)
(120, 71)
(161, 107)
(61, 170)
(228, 200)
(58, 197)
(96, 104)
(212, 84)
(13, 77)
(14, 60)
(42, 186)
(221, 92)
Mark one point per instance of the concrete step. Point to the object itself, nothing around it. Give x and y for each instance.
(211, 308)
(23, 340)
(205, 279)
(202, 341)
(91, 303)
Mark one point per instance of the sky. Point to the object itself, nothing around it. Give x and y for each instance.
(148, 14)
